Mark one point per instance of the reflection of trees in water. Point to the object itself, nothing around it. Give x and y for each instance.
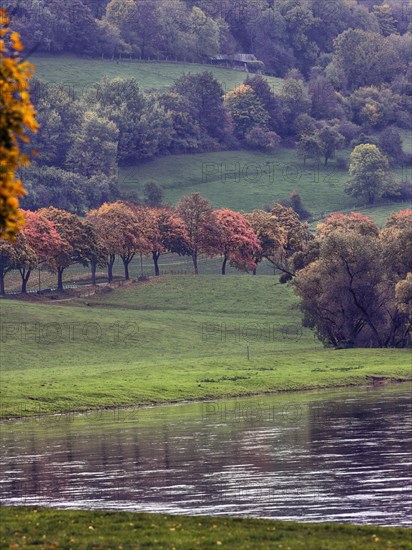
(267, 460)
(361, 440)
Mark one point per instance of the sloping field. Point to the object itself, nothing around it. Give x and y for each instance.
(79, 73)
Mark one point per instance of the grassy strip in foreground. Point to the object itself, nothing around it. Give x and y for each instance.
(23, 527)
(171, 339)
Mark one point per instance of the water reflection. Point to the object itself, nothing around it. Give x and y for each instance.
(319, 456)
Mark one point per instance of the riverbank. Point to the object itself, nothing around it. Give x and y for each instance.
(21, 527)
(173, 339)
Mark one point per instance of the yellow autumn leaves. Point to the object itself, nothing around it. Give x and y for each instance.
(17, 116)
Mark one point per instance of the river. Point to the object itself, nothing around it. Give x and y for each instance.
(332, 455)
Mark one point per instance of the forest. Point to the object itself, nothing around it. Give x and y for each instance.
(346, 85)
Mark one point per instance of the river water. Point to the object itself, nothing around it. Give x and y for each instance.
(341, 456)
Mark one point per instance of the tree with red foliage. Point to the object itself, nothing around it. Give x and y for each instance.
(43, 245)
(401, 219)
(167, 233)
(36, 244)
(77, 244)
(237, 242)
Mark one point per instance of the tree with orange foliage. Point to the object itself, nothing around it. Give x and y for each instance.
(355, 221)
(17, 116)
(297, 240)
(236, 240)
(121, 228)
(271, 235)
(196, 213)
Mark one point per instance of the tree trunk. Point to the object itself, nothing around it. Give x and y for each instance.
(2, 289)
(254, 271)
(110, 268)
(126, 268)
(60, 279)
(93, 268)
(195, 263)
(156, 256)
(25, 276)
(224, 266)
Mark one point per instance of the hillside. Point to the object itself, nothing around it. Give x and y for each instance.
(79, 73)
(244, 180)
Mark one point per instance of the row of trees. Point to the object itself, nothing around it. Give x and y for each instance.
(56, 239)
(354, 280)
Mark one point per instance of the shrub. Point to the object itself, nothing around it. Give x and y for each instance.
(349, 131)
(258, 138)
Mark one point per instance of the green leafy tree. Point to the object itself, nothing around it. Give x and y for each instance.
(369, 171)
(205, 94)
(94, 148)
(384, 15)
(153, 193)
(186, 130)
(246, 110)
(309, 147)
(59, 115)
(366, 58)
(330, 141)
(144, 128)
(263, 91)
(205, 32)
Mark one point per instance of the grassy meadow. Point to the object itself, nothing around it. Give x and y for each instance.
(171, 339)
(80, 73)
(21, 527)
(245, 180)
